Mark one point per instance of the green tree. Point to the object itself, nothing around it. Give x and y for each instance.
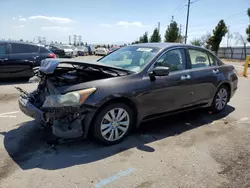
(135, 42)
(218, 33)
(140, 40)
(144, 38)
(108, 46)
(248, 28)
(197, 42)
(172, 33)
(86, 44)
(156, 37)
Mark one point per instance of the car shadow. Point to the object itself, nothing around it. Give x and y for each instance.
(13, 81)
(27, 144)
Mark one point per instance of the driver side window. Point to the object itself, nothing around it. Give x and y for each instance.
(173, 59)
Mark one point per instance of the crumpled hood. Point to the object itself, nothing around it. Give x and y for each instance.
(49, 65)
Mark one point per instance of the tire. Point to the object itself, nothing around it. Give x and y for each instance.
(220, 99)
(115, 132)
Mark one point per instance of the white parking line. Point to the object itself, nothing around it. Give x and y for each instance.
(7, 113)
(242, 120)
(114, 177)
(7, 116)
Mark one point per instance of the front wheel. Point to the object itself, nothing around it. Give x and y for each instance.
(113, 123)
(221, 99)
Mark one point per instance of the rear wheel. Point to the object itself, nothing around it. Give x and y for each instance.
(113, 123)
(221, 99)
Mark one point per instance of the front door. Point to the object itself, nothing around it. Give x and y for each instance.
(205, 75)
(172, 92)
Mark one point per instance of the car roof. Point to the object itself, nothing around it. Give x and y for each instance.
(19, 42)
(164, 45)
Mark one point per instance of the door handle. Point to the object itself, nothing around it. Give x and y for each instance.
(215, 71)
(187, 77)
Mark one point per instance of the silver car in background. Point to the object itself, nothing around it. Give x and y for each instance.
(69, 50)
(101, 51)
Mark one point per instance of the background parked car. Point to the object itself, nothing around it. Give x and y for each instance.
(82, 51)
(91, 50)
(57, 50)
(113, 49)
(69, 50)
(101, 51)
(17, 59)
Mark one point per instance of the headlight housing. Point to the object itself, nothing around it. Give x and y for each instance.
(75, 98)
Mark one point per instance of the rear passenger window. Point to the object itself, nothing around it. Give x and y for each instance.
(23, 48)
(198, 59)
(213, 60)
(3, 49)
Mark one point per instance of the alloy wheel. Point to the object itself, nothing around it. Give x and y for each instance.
(115, 124)
(221, 99)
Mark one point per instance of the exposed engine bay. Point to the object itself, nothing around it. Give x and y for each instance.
(64, 112)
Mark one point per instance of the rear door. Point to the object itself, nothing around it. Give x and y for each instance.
(3, 57)
(21, 59)
(205, 75)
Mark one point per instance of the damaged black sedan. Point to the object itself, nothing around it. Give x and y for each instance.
(133, 84)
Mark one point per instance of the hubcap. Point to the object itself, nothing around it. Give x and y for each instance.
(221, 99)
(115, 124)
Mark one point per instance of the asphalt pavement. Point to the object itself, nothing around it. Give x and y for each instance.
(194, 149)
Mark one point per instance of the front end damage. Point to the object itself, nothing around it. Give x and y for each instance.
(67, 122)
(66, 113)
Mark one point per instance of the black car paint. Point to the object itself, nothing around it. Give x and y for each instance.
(166, 95)
(57, 50)
(21, 64)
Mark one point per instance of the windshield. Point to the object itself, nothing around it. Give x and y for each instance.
(132, 58)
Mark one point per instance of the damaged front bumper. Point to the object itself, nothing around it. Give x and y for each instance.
(29, 109)
(66, 123)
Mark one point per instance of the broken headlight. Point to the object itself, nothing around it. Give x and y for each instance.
(75, 98)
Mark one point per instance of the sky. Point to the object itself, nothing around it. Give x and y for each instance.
(116, 21)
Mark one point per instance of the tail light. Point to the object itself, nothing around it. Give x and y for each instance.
(52, 55)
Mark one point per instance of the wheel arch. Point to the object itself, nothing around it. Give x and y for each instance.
(125, 100)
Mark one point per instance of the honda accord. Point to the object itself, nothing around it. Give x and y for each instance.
(135, 83)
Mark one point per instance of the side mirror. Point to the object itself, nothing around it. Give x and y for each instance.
(161, 71)
(158, 71)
